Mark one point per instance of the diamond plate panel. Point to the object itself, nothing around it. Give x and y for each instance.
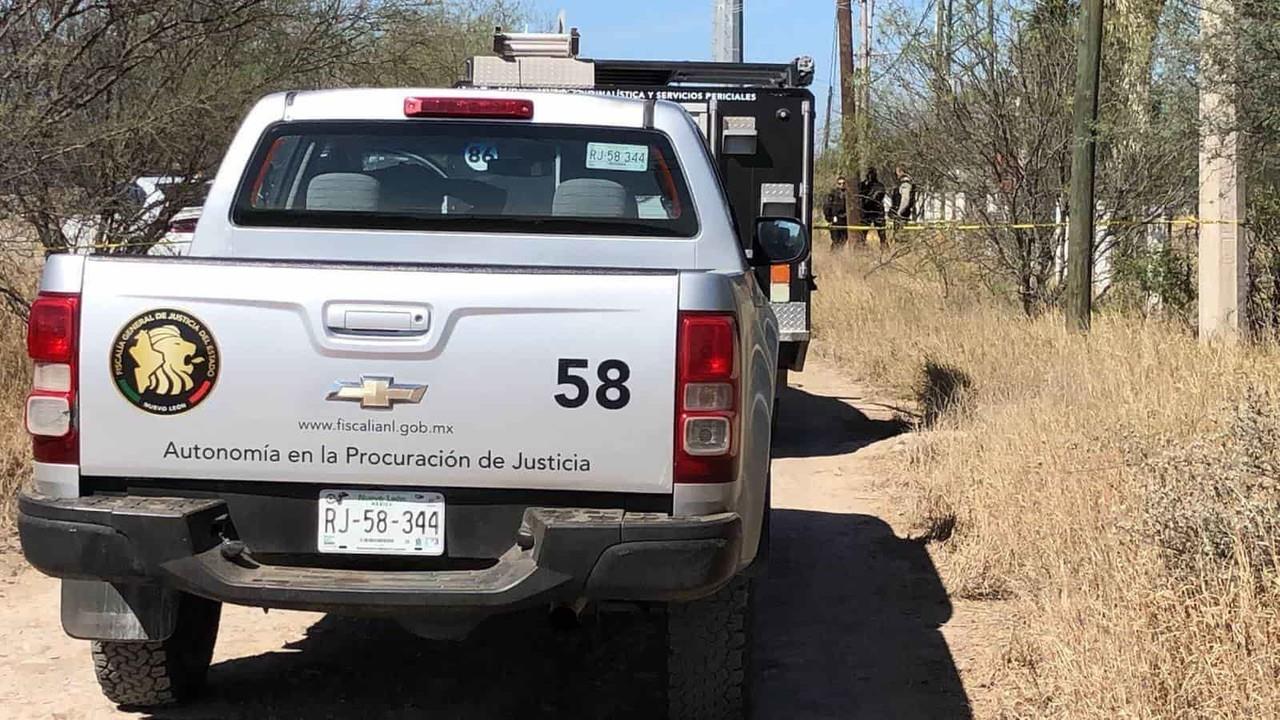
(491, 71)
(777, 199)
(792, 316)
(532, 72)
(557, 73)
(778, 192)
(740, 125)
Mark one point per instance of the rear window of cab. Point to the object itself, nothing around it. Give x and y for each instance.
(453, 175)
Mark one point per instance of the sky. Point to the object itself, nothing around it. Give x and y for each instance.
(774, 30)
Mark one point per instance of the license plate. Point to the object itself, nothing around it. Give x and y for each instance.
(380, 523)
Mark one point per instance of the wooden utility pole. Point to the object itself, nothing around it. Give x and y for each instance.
(1079, 300)
(849, 115)
(1224, 248)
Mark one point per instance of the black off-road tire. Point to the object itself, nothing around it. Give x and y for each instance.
(709, 655)
(151, 674)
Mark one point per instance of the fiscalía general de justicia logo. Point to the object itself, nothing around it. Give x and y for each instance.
(164, 361)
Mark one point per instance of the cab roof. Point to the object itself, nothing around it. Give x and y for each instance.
(552, 107)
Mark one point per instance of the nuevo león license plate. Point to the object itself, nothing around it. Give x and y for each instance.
(379, 522)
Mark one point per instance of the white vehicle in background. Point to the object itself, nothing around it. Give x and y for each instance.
(141, 200)
(182, 228)
(144, 199)
(433, 355)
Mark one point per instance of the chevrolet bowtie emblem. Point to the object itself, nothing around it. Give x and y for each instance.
(377, 392)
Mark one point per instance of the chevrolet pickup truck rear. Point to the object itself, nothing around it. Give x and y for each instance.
(369, 376)
(433, 355)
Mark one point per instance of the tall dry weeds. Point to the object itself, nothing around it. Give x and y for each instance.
(1114, 488)
(15, 448)
(21, 271)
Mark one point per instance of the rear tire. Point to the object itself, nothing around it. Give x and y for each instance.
(709, 655)
(151, 674)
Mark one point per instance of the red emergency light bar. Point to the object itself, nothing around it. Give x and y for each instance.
(494, 108)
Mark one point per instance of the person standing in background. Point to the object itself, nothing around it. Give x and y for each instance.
(871, 195)
(903, 207)
(833, 208)
(902, 202)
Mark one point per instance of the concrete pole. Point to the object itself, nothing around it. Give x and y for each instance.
(726, 31)
(826, 127)
(942, 36)
(991, 40)
(1224, 249)
(864, 79)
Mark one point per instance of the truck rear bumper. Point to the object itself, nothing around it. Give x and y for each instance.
(561, 555)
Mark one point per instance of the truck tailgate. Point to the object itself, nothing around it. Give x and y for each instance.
(423, 377)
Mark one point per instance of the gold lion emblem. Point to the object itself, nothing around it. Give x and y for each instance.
(164, 359)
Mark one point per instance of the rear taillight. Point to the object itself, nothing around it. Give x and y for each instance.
(468, 107)
(51, 406)
(187, 225)
(706, 398)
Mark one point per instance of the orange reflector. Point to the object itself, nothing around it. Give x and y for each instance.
(780, 283)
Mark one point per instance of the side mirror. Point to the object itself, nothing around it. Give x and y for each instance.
(779, 240)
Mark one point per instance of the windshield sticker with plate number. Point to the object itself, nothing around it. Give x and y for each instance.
(618, 156)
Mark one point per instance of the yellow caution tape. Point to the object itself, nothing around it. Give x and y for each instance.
(908, 227)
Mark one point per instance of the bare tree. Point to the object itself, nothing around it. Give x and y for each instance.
(425, 44)
(94, 94)
(97, 93)
(993, 127)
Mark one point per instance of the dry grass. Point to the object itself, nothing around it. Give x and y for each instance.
(19, 268)
(15, 447)
(1120, 490)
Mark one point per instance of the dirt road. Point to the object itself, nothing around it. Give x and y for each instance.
(853, 622)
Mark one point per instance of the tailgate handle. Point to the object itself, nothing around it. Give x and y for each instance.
(370, 319)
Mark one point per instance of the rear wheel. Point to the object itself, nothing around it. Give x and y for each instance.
(709, 655)
(149, 674)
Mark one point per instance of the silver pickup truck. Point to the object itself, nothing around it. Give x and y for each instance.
(434, 355)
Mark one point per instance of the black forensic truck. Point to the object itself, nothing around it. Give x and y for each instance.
(757, 119)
